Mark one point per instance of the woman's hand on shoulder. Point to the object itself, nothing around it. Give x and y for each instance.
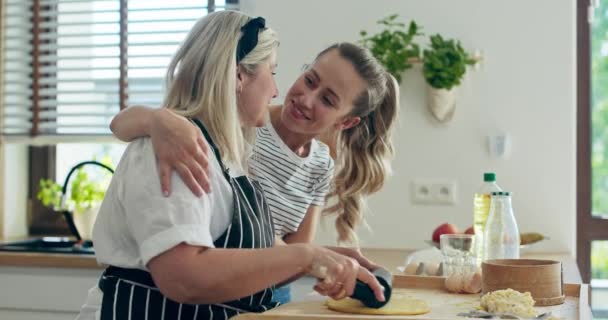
(180, 145)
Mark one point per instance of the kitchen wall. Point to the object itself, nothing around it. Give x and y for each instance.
(524, 87)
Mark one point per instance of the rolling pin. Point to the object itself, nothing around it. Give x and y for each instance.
(365, 294)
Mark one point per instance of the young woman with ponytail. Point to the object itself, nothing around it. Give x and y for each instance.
(344, 98)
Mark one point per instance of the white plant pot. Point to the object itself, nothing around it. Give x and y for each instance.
(441, 103)
(84, 221)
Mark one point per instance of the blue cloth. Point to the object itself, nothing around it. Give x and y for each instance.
(282, 294)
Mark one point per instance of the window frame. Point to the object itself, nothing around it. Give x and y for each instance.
(589, 228)
(42, 220)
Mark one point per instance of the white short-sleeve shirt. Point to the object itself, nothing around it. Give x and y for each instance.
(136, 222)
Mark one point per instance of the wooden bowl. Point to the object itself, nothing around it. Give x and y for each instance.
(542, 278)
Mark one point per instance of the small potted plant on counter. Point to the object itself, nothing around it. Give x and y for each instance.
(444, 66)
(85, 196)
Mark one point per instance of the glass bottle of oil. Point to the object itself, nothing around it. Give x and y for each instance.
(481, 209)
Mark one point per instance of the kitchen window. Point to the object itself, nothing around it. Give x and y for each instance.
(70, 65)
(592, 144)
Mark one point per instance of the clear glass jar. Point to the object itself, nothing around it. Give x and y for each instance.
(501, 234)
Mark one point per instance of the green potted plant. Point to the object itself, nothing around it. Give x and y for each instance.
(85, 196)
(444, 66)
(393, 46)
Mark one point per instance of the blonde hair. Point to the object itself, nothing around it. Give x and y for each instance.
(201, 79)
(365, 150)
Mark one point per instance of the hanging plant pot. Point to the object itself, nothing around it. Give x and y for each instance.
(84, 221)
(441, 103)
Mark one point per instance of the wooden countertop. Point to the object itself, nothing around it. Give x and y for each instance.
(48, 260)
(312, 307)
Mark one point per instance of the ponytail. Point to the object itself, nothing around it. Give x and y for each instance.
(365, 150)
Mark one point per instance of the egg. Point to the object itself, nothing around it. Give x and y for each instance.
(440, 270)
(431, 268)
(472, 283)
(411, 268)
(454, 282)
(420, 269)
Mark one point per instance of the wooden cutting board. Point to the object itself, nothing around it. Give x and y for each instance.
(444, 305)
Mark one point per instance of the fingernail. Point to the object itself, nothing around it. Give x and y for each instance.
(382, 298)
(165, 193)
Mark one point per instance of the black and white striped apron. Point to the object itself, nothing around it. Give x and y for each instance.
(132, 294)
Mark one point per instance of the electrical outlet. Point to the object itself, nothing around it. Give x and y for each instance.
(443, 192)
(434, 192)
(421, 192)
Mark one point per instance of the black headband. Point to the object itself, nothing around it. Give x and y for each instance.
(249, 39)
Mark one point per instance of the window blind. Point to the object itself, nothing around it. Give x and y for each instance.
(70, 65)
(16, 66)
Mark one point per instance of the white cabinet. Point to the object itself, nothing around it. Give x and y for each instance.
(44, 293)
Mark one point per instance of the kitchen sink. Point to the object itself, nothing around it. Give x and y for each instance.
(50, 245)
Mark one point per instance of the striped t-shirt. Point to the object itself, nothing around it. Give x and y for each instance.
(291, 183)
